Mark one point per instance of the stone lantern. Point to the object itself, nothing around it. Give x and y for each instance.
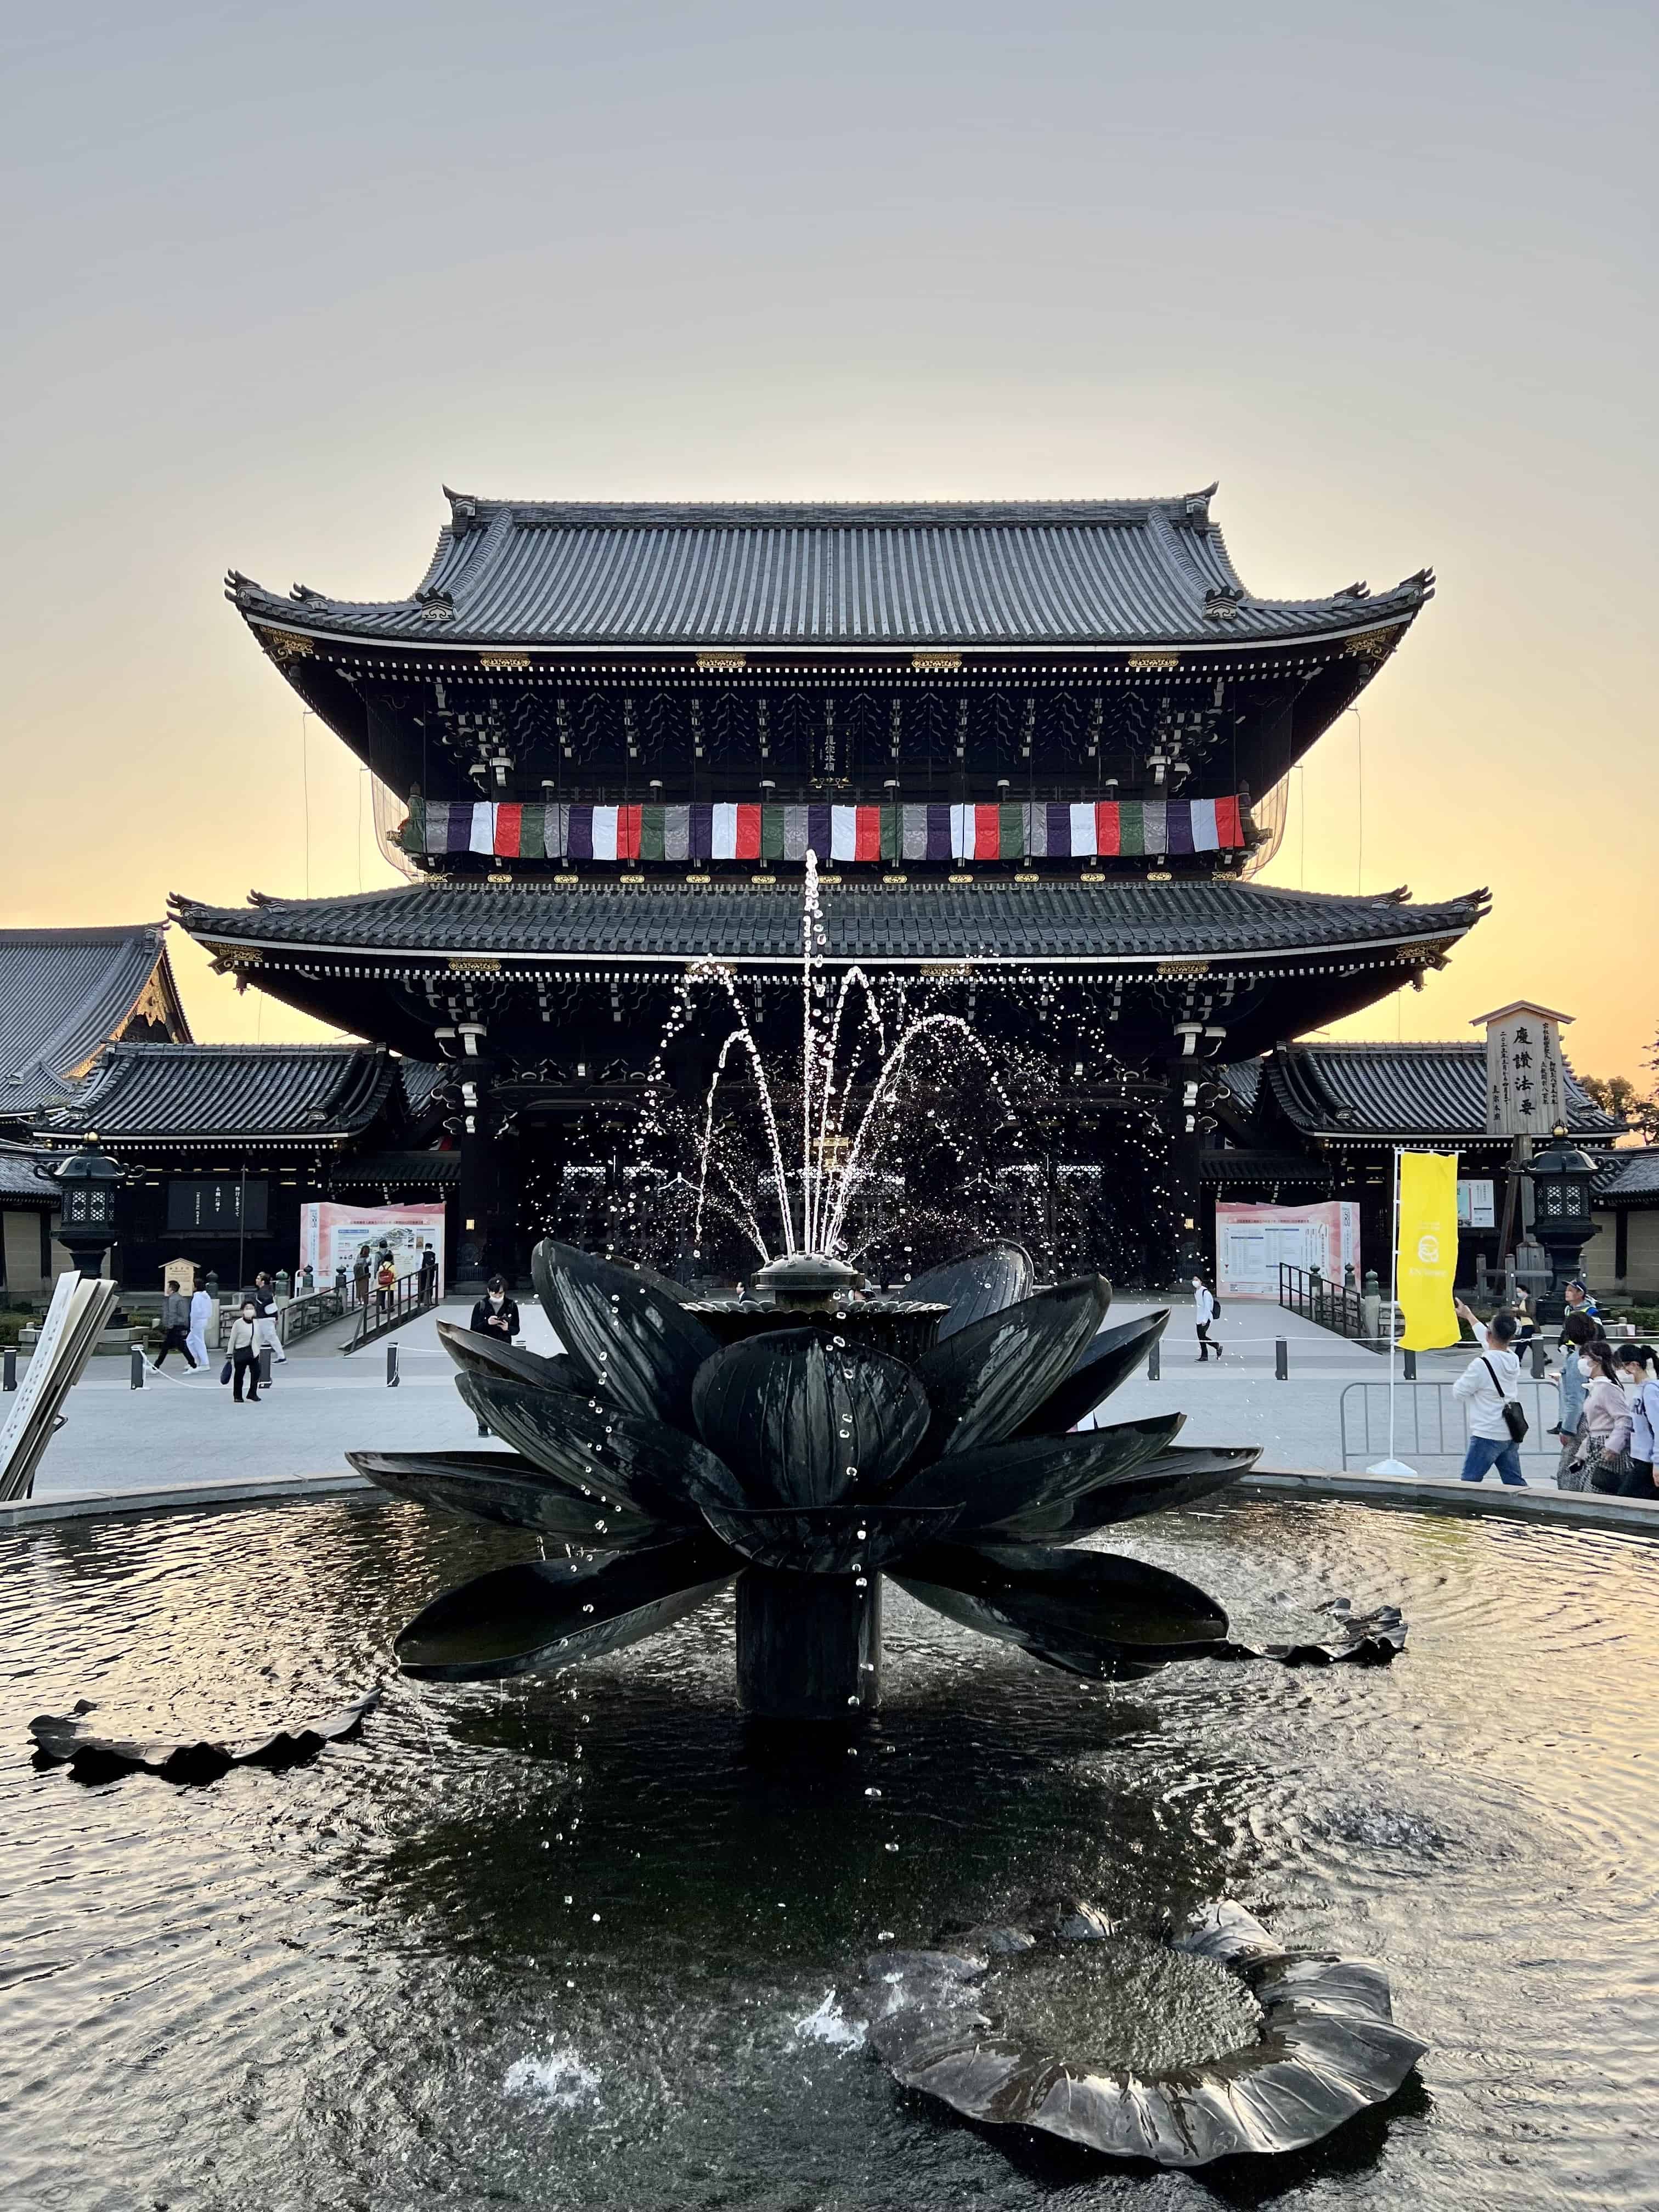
(88, 1181)
(1561, 1178)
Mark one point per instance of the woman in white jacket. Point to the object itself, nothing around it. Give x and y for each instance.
(1205, 1311)
(201, 1313)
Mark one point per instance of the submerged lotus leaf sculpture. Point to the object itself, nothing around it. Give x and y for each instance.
(1326, 2045)
(800, 1458)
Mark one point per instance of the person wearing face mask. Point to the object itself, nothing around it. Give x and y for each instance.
(1568, 1378)
(496, 1314)
(245, 1352)
(1639, 1371)
(1606, 1423)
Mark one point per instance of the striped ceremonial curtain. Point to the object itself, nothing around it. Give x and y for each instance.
(840, 836)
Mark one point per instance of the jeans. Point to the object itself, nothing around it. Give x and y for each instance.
(1502, 1452)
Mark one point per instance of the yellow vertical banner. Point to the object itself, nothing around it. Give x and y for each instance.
(1426, 1257)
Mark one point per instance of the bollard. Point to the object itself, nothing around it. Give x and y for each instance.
(1538, 1357)
(137, 1367)
(392, 1375)
(264, 1367)
(9, 1363)
(1152, 1367)
(1408, 1365)
(484, 1429)
(1281, 1359)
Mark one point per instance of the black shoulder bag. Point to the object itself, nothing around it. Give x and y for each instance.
(1515, 1418)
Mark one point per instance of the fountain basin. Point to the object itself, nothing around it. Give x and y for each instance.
(361, 1979)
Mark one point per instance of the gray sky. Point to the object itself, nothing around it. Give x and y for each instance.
(276, 273)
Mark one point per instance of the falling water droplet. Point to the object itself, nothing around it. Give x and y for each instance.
(587, 1609)
(872, 1793)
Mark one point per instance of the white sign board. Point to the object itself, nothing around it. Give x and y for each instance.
(1475, 1207)
(332, 1235)
(1253, 1241)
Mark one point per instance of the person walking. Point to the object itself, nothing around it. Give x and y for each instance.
(1607, 1424)
(1207, 1310)
(1486, 1386)
(245, 1352)
(175, 1323)
(496, 1314)
(360, 1276)
(1639, 1371)
(386, 1282)
(429, 1274)
(1576, 1331)
(264, 1307)
(201, 1313)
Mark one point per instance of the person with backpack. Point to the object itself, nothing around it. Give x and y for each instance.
(1207, 1310)
(1487, 1388)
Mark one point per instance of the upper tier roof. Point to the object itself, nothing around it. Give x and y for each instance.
(64, 992)
(1041, 921)
(1076, 573)
(1381, 1092)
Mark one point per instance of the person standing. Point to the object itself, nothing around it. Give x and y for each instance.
(496, 1314)
(429, 1274)
(359, 1275)
(386, 1282)
(175, 1323)
(1639, 1371)
(245, 1352)
(201, 1313)
(264, 1307)
(1576, 1331)
(1487, 1386)
(1579, 1304)
(1207, 1310)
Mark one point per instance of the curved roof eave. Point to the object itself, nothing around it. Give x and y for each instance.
(996, 577)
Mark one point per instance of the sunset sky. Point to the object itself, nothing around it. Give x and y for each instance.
(276, 274)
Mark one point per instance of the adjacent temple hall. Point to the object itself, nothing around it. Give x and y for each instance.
(1039, 751)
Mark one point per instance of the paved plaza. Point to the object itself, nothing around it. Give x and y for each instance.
(184, 1432)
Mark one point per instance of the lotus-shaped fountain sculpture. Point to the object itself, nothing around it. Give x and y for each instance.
(806, 1443)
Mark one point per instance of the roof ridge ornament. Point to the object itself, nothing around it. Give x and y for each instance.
(464, 515)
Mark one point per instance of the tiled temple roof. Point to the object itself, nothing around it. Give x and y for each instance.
(1409, 1092)
(1061, 572)
(1630, 1179)
(274, 1094)
(1042, 922)
(64, 992)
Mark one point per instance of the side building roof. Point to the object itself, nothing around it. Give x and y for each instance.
(1383, 1093)
(274, 1095)
(1629, 1179)
(64, 994)
(1077, 573)
(1048, 921)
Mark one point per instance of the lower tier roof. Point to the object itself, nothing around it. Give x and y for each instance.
(1082, 923)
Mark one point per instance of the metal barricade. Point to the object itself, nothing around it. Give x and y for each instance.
(1431, 1424)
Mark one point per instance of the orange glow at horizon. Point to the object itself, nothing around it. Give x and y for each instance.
(1390, 281)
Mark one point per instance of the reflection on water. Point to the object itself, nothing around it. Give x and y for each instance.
(576, 1943)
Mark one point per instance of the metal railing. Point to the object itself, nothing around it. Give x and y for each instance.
(295, 1317)
(1430, 1423)
(1331, 1305)
(383, 1310)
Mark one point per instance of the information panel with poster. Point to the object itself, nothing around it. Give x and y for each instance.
(332, 1235)
(1252, 1242)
